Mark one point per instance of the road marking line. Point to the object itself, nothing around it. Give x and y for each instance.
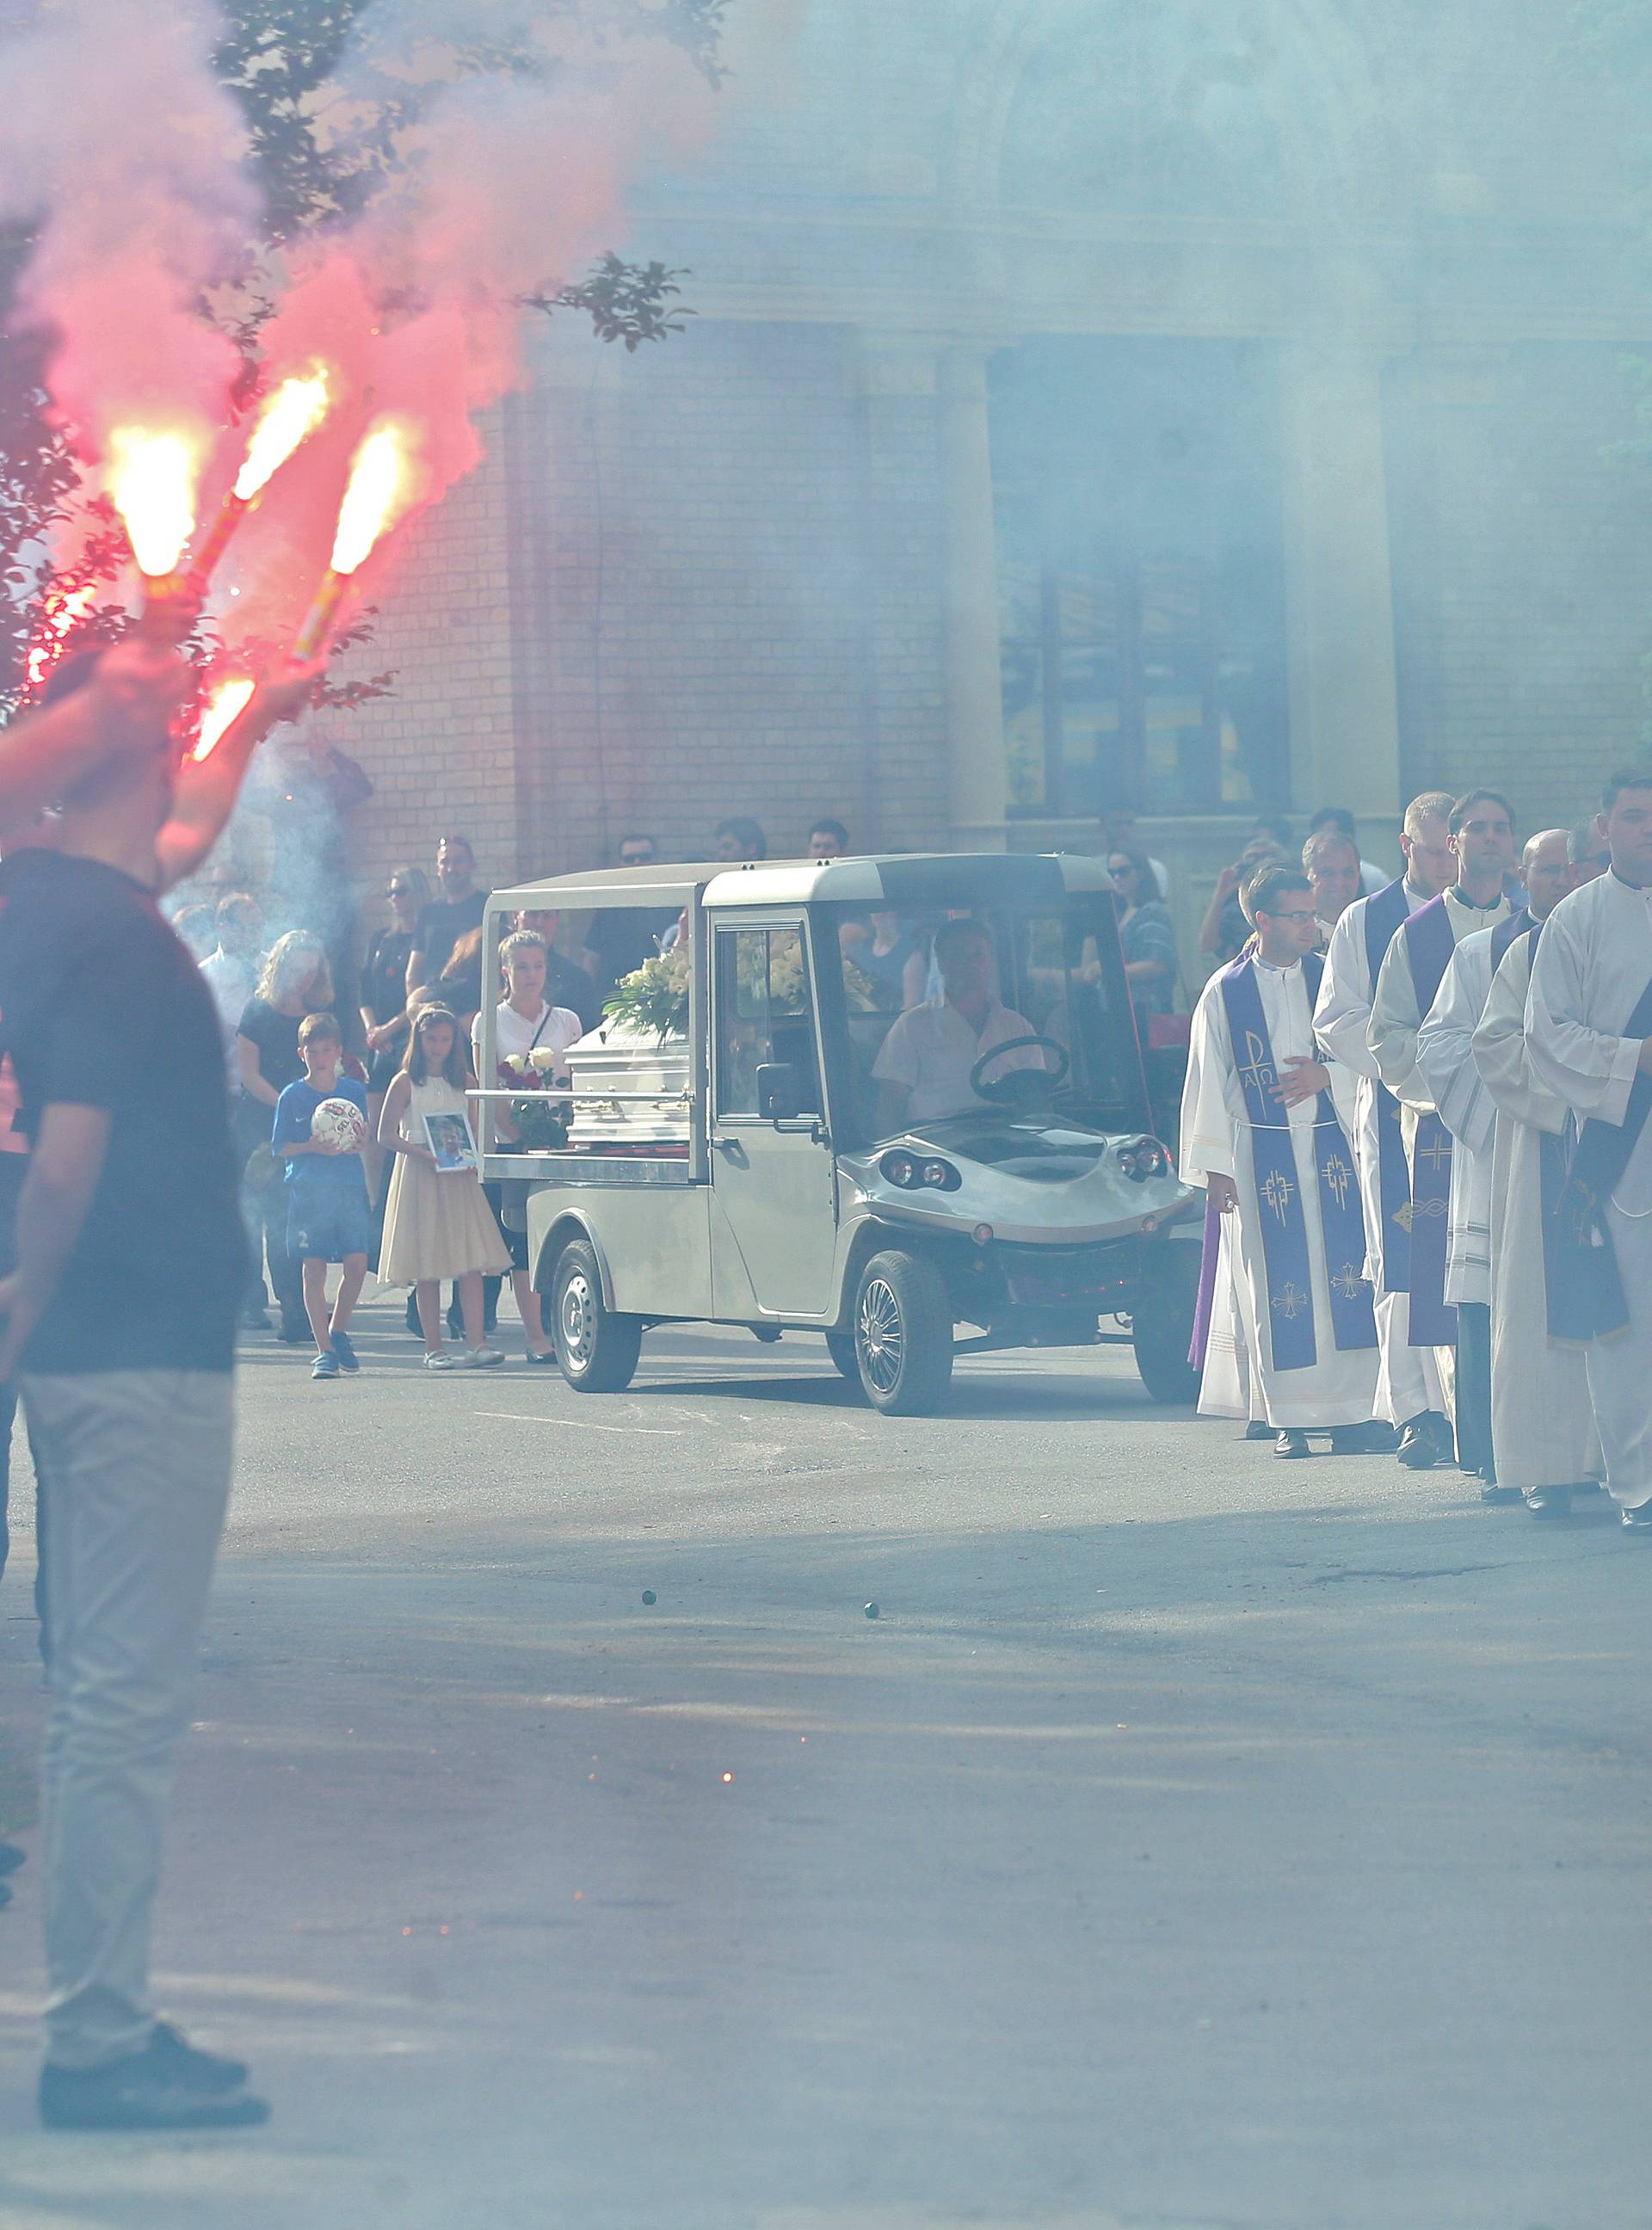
(582, 1424)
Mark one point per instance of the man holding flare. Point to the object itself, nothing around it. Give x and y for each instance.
(117, 1325)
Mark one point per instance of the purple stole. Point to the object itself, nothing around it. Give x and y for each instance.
(1284, 1226)
(1386, 913)
(1506, 932)
(1431, 941)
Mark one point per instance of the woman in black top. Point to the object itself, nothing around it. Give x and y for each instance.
(295, 983)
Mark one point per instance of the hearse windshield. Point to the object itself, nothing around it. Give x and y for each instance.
(924, 994)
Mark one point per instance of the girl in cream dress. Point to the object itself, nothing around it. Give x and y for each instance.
(438, 1224)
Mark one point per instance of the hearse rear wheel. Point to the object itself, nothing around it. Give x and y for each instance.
(597, 1347)
(903, 1334)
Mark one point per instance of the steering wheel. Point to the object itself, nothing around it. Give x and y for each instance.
(1020, 1087)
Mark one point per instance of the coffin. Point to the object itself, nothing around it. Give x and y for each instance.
(623, 1058)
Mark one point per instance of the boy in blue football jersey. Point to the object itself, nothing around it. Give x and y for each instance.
(327, 1218)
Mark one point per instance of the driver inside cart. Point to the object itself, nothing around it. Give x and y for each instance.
(925, 1063)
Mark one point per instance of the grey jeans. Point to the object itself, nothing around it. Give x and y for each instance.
(139, 1466)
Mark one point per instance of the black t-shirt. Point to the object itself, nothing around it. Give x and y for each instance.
(566, 984)
(622, 938)
(441, 926)
(100, 1006)
(275, 1035)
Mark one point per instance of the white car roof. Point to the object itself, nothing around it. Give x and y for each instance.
(891, 878)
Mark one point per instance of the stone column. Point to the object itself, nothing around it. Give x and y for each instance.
(978, 783)
(1338, 584)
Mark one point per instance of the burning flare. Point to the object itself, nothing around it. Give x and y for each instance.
(382, 483)
(290, 416)
(151, 481)
(223, 707)
(290, 413)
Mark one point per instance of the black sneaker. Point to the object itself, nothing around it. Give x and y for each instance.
(1639, 1521)
(1549, 1501)
(205, 2071)
(1257, 1429)
(168, 2085)
(1292, 1445)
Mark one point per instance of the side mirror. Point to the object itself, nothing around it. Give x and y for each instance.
(779, 1095)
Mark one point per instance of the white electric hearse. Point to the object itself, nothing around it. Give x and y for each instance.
(753, 1166)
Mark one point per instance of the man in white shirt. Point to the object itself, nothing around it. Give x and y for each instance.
(1589, 1036)
(925, 1061)
(232, 971)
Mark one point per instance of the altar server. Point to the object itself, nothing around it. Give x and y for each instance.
(1261, 1129)
(1543, 1427)
(1481, 832)
(1589, 1035)
(1408, 1392)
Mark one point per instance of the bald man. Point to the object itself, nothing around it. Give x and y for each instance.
(1446, 1060)
(1543, 1426)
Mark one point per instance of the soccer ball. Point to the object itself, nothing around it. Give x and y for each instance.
(340, 1123)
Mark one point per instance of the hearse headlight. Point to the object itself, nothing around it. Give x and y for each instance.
(911, 1174)
(1144, 1159)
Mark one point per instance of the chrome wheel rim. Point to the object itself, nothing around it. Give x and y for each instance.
(880, 1334)
(576, 1320)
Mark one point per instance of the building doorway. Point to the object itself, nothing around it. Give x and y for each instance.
(1138, 489)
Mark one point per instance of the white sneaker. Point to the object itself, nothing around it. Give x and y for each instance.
(439, 1359)
(482, 1359)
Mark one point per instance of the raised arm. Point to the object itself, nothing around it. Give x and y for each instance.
(208, 789)
(126, 707)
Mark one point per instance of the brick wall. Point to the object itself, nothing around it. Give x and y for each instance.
(1523, 573)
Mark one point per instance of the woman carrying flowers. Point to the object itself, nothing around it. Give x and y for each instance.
(530, 1037)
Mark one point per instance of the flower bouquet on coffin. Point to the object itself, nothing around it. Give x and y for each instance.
(541, 1124)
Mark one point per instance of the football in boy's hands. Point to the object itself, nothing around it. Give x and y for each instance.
(339, 1126)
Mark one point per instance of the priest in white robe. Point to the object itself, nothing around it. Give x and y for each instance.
(1408, 1392)
(1589, 1037)
(1481, 832)
(1260, 1128)
(1543, 1424)
(1445, 1057)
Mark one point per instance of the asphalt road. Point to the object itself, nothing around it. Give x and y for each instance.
(1191, 1840)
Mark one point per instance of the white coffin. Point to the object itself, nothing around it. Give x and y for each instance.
(625, 1058)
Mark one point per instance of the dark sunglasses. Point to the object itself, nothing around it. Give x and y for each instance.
(636, 858)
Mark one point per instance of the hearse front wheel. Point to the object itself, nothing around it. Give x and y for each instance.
(903, 1334)
(1161, 1326)
(597, 1347)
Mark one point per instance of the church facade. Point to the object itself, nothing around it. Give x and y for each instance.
(1199, 406)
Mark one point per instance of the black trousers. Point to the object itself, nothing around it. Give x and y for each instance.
(1474, 1387)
